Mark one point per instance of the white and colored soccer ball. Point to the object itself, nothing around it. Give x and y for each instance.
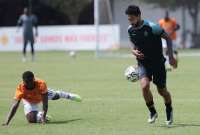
(72, 54)
(132, 74)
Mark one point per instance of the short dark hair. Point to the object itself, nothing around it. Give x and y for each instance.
(27, 75)
(133, 10)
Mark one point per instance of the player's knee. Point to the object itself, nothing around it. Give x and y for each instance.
(32, 121)
(32, 117)
(145, 86)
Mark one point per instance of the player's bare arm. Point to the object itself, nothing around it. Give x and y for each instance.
(19, 24)
(12, 112)
(36, 29)
(136, 52)
(175, 29)
(172, 60)
(45, 106)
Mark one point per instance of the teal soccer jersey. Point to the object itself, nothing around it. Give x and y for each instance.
(147, 39)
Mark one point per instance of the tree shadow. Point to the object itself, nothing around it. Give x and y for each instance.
(64, 121)
(177, 125)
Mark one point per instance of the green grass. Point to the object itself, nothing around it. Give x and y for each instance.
(111, 105)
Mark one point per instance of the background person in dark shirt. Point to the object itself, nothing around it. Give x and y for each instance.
(27, 20)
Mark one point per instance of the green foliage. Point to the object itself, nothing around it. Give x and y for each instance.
(172, 4)
(192, 6)
(68, 7)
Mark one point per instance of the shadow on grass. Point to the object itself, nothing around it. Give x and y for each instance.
(64, 121)
(177, 125)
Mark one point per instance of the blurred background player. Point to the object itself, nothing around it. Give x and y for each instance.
(146, 44)
(27, 20)
(32, 92)
(170, 26)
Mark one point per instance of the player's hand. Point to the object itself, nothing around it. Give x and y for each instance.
(173, 62)
(43, 120)
(138, 54)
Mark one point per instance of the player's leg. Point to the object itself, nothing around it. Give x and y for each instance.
(32, 116)
(57, 94)
(164, 46)
(25, 42)
(168, 104)
(175, 51)
(176, 54)
(160, 81)
(33, 113)
(32, 50)
(147, 95)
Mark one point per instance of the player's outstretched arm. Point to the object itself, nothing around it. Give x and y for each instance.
(19, 23)
(172, 60)
(35, 22)
(36, 30)
(12, 112)
(45, 106)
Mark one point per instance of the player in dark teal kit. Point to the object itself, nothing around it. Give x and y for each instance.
(145, 37)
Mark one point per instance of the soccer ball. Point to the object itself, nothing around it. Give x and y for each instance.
(132, 74)
(72, 54)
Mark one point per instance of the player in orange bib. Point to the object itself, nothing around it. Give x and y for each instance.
(33, 92)
(170, 26)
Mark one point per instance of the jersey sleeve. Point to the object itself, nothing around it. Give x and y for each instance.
(43, 88)
(132, 44)
(19, 93)
(156, 29)
(129, 33)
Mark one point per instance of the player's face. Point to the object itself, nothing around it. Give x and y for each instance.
(133, 19)
(26, 11)
(29, 83)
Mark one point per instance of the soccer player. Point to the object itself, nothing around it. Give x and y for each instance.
(145, 38)
(32, 92)
(170, 26)
(28, 21)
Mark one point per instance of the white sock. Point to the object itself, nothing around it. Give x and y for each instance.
(62, 94)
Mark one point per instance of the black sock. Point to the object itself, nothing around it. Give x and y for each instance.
(151, 107)
(168, 107)
(168, 110)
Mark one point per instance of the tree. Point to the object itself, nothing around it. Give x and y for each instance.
(68, 7)
(193, 8)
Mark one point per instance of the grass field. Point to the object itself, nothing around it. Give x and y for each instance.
(111, 105)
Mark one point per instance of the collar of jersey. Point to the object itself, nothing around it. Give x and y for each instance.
(144, 23)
